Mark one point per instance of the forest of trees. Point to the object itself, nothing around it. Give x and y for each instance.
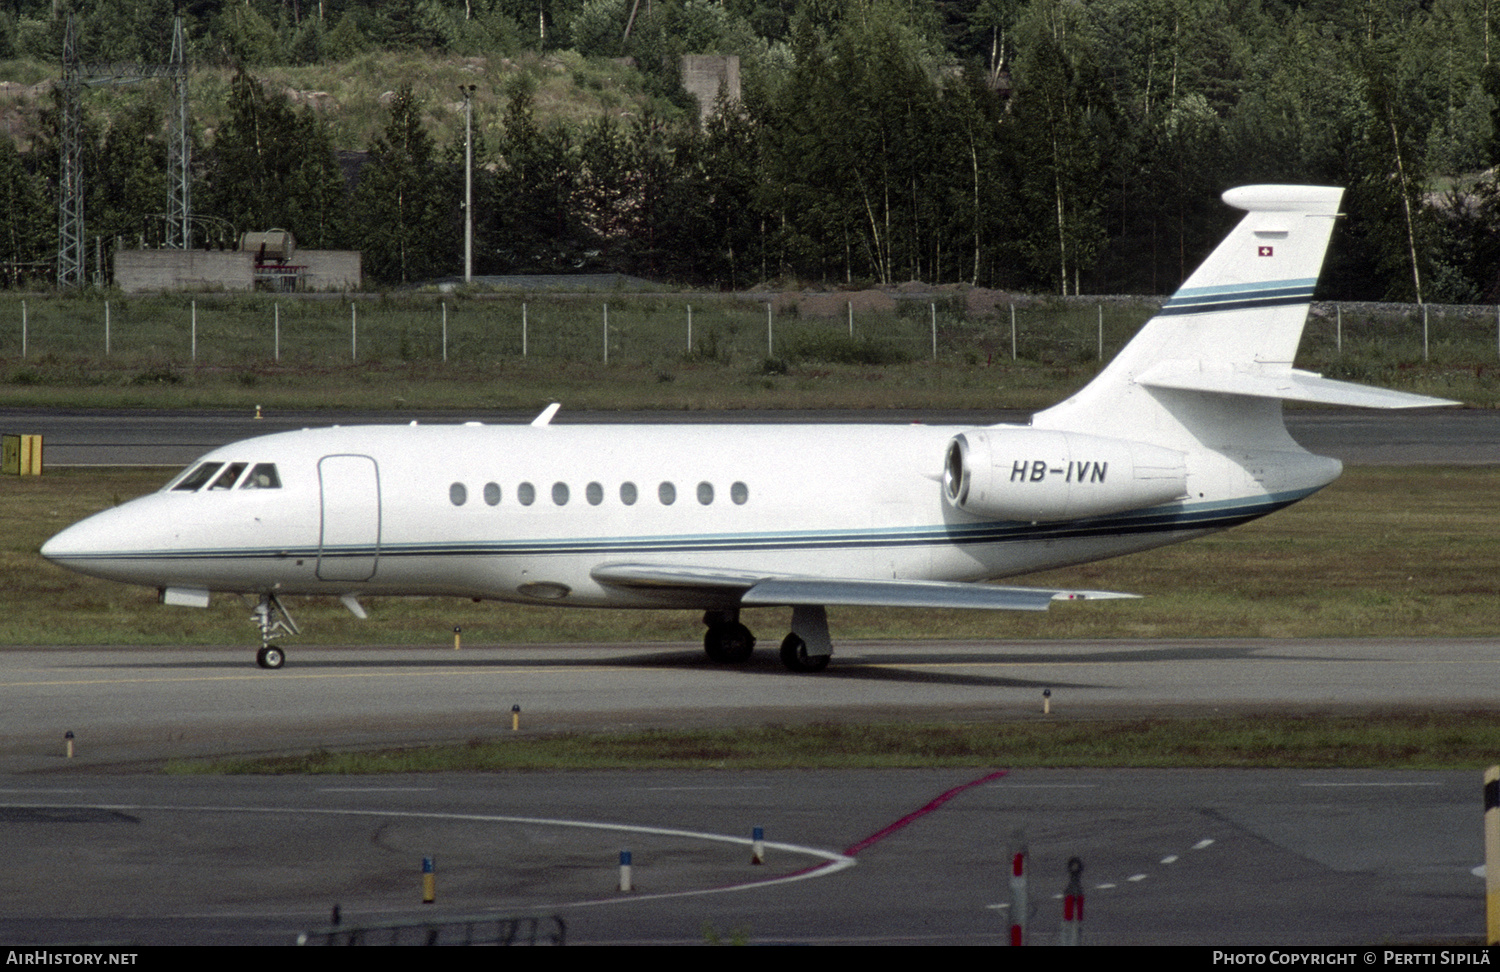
(1054, 145)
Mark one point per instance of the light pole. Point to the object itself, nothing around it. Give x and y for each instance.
(468, 93)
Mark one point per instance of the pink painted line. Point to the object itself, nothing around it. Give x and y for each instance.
(905, 821)
(916, 815)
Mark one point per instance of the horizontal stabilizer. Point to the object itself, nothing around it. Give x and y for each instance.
(1292, 385)
(760, 590)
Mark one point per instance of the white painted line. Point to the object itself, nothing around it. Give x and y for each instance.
(1204, 843)
(832, 862)
(1355, 786)
(1136, 877)
(1046, 786)
(1169, 859)
(377, 789)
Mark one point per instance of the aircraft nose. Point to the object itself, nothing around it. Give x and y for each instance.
(93, 546)
(78, 541)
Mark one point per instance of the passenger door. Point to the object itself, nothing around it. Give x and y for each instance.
(349, 536)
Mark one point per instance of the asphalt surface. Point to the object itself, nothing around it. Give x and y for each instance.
(1169, 857)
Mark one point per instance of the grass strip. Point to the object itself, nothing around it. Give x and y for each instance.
(1417, 741)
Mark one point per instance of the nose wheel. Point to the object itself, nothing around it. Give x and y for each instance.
(274, 621)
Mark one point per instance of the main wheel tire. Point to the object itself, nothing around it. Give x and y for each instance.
(795, 657)
(270, 657)
(729, 644)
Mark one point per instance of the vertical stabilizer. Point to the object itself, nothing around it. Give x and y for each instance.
(1210, 368)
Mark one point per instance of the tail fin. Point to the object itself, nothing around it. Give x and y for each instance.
(1212, 367)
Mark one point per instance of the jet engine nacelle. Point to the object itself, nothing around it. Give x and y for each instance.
(1038, 475)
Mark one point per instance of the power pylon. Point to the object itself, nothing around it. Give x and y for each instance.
(77, 76)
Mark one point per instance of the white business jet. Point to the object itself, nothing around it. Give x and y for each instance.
(1181, 435)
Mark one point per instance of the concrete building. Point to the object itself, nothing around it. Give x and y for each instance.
(153, 271)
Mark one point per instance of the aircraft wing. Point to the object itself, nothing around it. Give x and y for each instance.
(765, 590)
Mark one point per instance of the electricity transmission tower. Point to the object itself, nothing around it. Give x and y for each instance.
(76, 77)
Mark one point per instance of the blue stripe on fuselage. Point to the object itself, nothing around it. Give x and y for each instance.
(1161, 519)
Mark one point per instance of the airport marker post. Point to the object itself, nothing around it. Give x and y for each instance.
(1019, 905)
(624, 870)
(758, 845)
(1492, 855)
(429, 881)
(1072, 926)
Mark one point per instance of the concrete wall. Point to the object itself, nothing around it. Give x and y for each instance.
(704, 75)
(151, 271)
(138, 271)
(330, 269)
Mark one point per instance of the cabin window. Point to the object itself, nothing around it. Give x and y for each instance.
(739, 493)
(229, 476)
(705, 493)
(667, 493)
(560, 494)
(492, 494)
(458, 494)
(262, 476)
(194, 480)
(594, 493)
(627, 494)
(526, 493)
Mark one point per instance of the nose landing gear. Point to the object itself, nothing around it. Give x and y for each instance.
(274, 621)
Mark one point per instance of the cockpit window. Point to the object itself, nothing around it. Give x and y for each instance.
(263, 476)
(229, 476)
(194, 480)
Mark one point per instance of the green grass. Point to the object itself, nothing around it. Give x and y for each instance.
(1389, 741)
(521, 351)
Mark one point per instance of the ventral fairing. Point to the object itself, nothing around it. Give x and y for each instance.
(1180, 435)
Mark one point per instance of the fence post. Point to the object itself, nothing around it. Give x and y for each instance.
(1338, 329)
(523, 330)
(194, 329)
(1101, 332)
(690, 329)
(445, 330)
(23, 328)
(353, 333)
(106, 328)
(770, 352)
(1012, 332)
(1424, 332)
(933, 307)
(606, 334)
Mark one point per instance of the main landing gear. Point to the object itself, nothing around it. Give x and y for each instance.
(274, 621)
(806, 650)
(727, 641)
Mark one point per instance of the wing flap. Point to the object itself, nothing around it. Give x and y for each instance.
(761, 590)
